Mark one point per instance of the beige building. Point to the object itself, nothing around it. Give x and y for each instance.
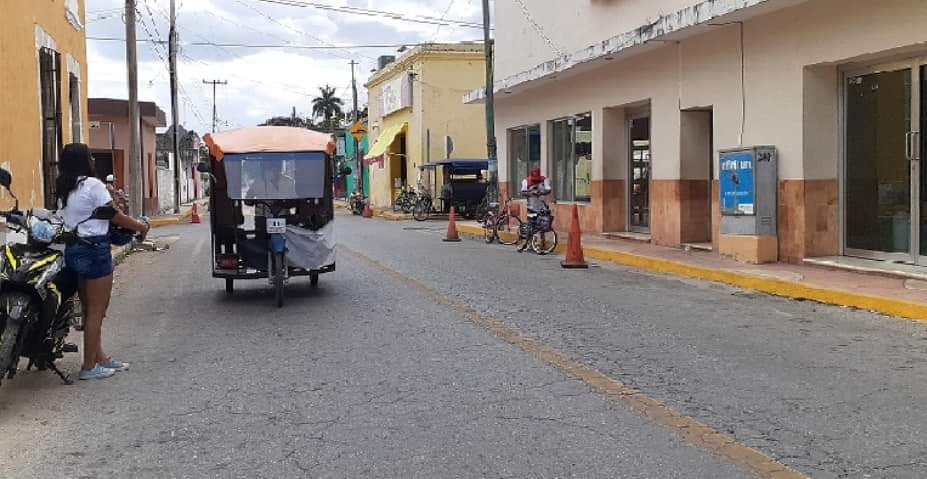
(627, 104)
(414, 106)
(43, 92)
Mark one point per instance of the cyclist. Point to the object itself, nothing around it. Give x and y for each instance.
(535, 186)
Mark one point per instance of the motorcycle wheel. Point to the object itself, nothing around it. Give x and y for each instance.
(8, 341)
(279, 274)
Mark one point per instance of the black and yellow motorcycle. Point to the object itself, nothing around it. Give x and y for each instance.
(37, 293)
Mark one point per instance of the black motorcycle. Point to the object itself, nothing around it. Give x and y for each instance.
(36, 296)
(357, 203)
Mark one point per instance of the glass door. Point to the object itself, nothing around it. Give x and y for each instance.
(882, 181)
(639, 174)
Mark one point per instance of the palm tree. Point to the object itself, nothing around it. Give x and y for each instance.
(327, 105)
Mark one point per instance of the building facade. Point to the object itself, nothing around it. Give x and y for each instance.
(43, 92)
(626, 106)
(344, 157)
(109, 142)
(415, 111)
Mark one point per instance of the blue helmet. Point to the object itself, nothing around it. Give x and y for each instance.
(43, 231)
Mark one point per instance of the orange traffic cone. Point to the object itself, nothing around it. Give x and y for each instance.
(367, 213)
(195, 217)
(452, 228)
(574, 252)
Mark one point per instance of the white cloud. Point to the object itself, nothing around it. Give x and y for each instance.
(262, 82)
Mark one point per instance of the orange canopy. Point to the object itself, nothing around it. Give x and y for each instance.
(267, 139)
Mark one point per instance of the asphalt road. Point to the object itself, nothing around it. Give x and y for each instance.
(382, 372)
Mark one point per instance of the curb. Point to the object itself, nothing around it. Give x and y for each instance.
(775, 287)
(183, 217)
(120, 252)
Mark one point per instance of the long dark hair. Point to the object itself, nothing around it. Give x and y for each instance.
(76, 163)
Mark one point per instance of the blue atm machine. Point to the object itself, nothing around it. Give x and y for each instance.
(748, 180)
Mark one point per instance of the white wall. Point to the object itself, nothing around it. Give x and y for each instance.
(791, 88)
(570, 25)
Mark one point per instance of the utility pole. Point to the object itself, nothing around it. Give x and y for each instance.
(214, 83)
(358, 171)
(175, 142)
(490, 109)
(136, 171)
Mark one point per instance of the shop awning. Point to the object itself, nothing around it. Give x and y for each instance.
(383, 142)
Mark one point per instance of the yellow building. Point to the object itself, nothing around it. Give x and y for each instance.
(43, 91)
(414, 106)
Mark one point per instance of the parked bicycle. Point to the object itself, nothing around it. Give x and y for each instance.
(538, 232)
(406, 200)
(500, 224)
(424, 206)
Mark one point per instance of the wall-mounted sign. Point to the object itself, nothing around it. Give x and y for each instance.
(396, 94)
(737, 184)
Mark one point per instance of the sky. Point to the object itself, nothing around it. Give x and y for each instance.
(262, 82)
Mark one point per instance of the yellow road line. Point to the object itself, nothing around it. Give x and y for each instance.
(687, 428)
(776, 287)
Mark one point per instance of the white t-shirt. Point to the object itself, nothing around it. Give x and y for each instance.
(90, 194)
(535, 203)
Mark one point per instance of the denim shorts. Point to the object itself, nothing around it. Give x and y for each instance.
(90, 258)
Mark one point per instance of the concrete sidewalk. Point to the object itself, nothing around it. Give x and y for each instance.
(896, 296)
(186, 212)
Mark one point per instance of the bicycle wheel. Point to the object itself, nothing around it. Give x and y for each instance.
(544, 242)
(408, 204)
(507, 228)
(422, 210)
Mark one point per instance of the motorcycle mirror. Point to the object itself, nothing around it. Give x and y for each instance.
(104, 213)
(6, 178)
(203, 167)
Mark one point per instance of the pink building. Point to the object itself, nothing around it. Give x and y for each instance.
(109, 140)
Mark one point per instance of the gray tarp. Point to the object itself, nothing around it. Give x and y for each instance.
(310, 249)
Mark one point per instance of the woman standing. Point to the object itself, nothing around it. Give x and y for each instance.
(79, 193)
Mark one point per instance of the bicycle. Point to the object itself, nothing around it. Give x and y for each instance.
(406, 200)
(496, 221)
(538, 232)
(423, 208)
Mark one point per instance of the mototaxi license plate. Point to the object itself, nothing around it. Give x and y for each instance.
(276, 225)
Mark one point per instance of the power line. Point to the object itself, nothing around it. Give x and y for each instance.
(447, 10)
(537, 27)
(288, 27)
(283, 86)
(272, 45)
(426, 19)
(154, 22)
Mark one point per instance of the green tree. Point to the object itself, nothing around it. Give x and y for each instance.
(296, 121)
(328, 107)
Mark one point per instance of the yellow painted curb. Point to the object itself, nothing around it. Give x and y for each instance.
(183, 217)
(777, 287)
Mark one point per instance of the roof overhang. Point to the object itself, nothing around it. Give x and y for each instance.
(670, 28)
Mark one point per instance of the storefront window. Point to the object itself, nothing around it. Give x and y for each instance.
(524, 153)
(571, 158)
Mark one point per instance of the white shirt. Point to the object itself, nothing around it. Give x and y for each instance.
(536, 203)
(89, 195)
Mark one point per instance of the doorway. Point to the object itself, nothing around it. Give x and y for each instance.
(639, 172)
(50, 96)
(696, 169)
(884, 184)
